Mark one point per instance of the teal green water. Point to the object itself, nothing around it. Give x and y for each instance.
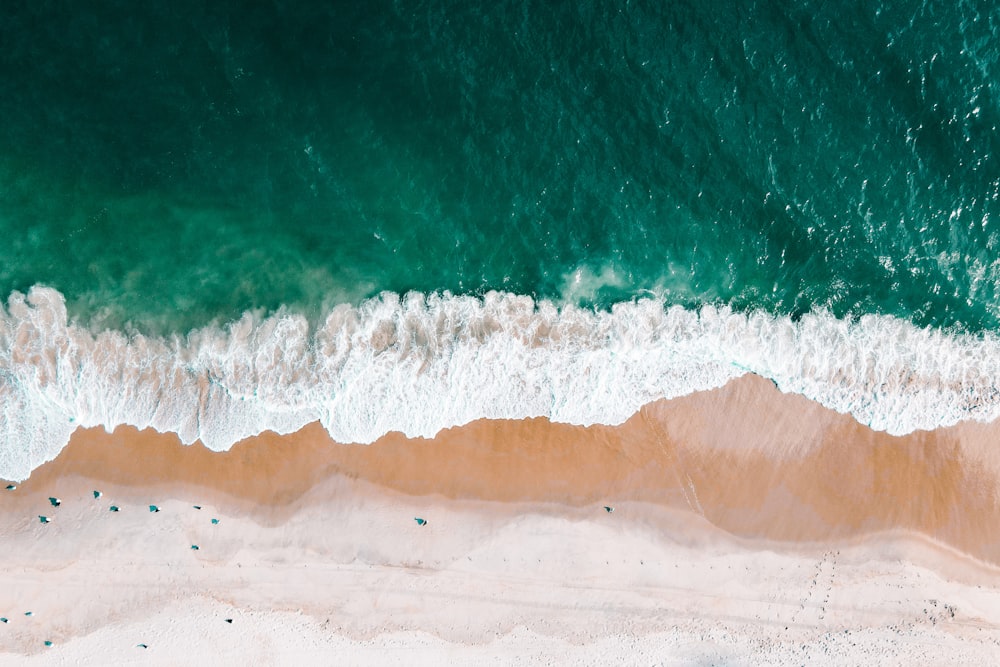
(167, 166)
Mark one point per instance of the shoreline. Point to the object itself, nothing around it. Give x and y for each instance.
(418, 363)
(754, 462)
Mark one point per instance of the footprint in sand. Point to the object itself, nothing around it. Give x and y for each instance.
(823, 580)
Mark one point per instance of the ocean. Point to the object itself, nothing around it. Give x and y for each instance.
(220, 218)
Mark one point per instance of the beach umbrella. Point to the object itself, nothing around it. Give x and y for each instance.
(420, 522)
(154, 508)
(97, 494)
(44, 519)
(113, 508)
(55, 502)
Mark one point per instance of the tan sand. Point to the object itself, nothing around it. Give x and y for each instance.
(753, 461)
(514, 511)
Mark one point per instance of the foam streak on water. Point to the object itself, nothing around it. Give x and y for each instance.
(418, 364)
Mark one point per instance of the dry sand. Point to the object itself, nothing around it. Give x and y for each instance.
(749, 527)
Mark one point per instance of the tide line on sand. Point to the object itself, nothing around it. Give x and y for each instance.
(751, 460)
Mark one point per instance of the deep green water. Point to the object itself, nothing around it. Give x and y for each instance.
(171, 164)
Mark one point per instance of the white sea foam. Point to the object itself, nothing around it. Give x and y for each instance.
(418, 364)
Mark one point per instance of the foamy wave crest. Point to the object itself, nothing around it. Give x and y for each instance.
(417, 364)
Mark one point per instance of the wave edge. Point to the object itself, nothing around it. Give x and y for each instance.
(419, 363)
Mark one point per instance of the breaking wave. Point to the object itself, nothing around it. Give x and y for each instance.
(421, 363)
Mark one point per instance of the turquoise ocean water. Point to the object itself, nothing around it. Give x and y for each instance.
(602, 203)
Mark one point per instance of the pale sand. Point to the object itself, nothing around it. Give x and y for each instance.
(749, 527)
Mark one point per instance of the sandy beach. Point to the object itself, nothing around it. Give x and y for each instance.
(748, 527)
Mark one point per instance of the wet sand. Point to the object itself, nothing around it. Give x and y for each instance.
(740, 477)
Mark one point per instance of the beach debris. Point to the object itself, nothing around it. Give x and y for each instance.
(141, 646)
(11, 487)
(229, 620)
(48, 643)
(55, 502)
(215, 522)
(44, 519)
(608, 509)
(97, 494)
(29, 613)
(194, 547)
(197, 507)
(420, 522)
(113, 508)
(154, 508)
